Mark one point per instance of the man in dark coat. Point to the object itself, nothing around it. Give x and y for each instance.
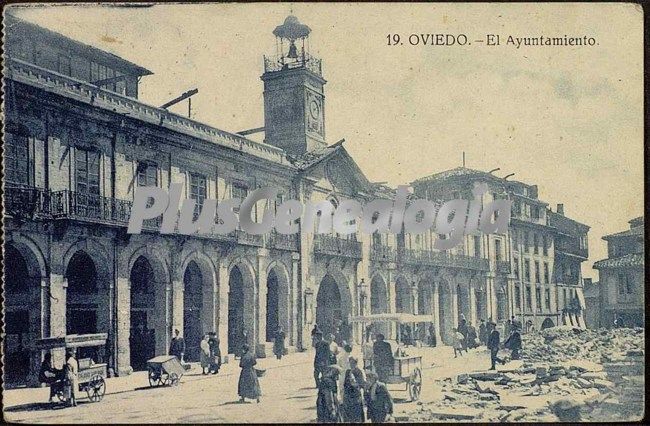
(378, 399)
(314, 331)
(514, 342)
(215, 353)
(177, 346)
(462, 329)
(493, 345)
(353, 384)
(278, 343)
(382, 357)
(471, 336)
(321, 358)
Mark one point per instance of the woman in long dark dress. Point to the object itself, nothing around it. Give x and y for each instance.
(352, 396)
(249, 386)
(327, 402)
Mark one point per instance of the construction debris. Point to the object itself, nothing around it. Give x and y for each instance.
(567, 374)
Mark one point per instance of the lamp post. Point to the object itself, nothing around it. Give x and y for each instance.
(414, 290)
(309, 297)
(363, 295)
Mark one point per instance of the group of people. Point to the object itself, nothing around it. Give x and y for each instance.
(64, 381)
(344, 390)
(210, 353)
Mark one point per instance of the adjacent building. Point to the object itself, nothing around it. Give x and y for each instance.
(622, 279)
(78, 142)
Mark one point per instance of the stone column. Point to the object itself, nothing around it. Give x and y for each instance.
(222, 321)
(294, 311)
(473, 314)
(123, 327)
(177, 310)
(260, 301)
(436, 312)
(58, 289)
(392, 306)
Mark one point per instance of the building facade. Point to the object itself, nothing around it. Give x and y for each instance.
(78, 143)
(622, 278)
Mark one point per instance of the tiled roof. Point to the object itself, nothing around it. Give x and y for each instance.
(627, 233)
(458, 171)
(633, 259)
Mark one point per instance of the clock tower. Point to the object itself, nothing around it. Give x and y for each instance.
(294, 103)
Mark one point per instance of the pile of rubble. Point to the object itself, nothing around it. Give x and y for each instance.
(588, 370)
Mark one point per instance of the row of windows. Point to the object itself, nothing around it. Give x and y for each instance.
(625, 284)
(528, 210)
(538, 298)
(528, 271)
(536, 241)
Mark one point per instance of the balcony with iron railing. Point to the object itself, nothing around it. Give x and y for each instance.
(443, 259)
(503, 266)
(282, 62)
(282, 241)
(336, 246)
(380, 252)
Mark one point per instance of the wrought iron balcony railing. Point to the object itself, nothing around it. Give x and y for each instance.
(283, 242)
(279, 63)
(382, 253)
(336, 246)
(444, 259)
(26, 202)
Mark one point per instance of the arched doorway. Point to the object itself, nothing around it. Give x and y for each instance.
(235, 310)
(425, 307)
(403, 296)
(445, 312)
(547, 323)
(378, 302)
(142, 339)
(17, 295)
(462, 295)
(192, 307)
(87, 307)
(328, 305)
(272, 305)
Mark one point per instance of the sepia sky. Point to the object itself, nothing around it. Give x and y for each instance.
(569, 119)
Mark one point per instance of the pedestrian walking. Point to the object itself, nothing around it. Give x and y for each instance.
(462, 328)
(278, 343)
(71, 385)
(459, 342)
(315, 331)
(514, 343)
(177, 346)
(328, 409)
(204, 357)
(379, 403)
(215, 353)
(353, 384)
(471, 336)
(51, 376)
(493, 345)
(344, 363)
(249, 385)
(321, 358)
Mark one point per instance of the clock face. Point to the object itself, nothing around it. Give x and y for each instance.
(314, 109)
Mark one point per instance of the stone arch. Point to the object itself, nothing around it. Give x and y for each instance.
(26, 303)
(88, 278)
(199, 300)
(333, 302)
(277, 299)
(241, 304)
(149, 283)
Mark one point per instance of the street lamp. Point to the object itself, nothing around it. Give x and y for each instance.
(309, 296)
(414, 289)
(363, 294)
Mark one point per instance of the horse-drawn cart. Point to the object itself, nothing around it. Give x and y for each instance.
(164, 370)
(91, 376)
(407, 369)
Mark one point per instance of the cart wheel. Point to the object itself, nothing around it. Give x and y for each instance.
(415, 384)
(96, 388)
(174, 379)
(153, 378)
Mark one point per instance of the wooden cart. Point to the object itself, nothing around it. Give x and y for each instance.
(165, 370)
(91, 375)
(407, 369)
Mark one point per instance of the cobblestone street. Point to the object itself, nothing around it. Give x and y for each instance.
(288, 394)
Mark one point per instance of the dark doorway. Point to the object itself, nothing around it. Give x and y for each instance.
(142, 339)
(235, 311)
(192, 305)
(328, 306)
(82, 300)
(272, 306)
(17, 290)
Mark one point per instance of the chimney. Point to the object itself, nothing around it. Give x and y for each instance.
(560, 209)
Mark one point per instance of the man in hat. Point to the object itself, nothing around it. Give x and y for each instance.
(378, 399)
(513, 342)
(322, 357)
(328, 409)
(177, 346)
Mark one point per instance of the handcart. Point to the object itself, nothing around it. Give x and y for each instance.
(165, 370)
(91, 375)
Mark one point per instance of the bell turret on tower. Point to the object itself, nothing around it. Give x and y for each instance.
(294, 104)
